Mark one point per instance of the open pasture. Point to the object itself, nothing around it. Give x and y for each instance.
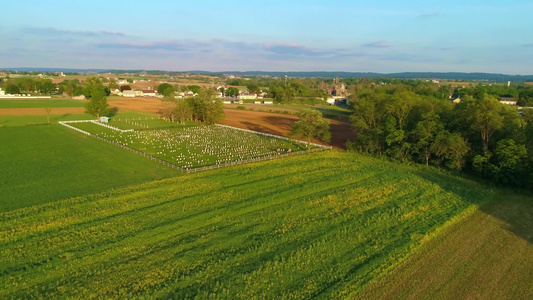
(198, 146)
(32, 103)
(39, 119)
(321, 225)
(46, 163)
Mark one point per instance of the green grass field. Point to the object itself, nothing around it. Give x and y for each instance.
(15, 121)
(39, 164)
(321, 225)
(31, 103)
(488, 255)
(140, 123)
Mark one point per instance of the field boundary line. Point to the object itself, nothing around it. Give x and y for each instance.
(204, 168)
(97, 123)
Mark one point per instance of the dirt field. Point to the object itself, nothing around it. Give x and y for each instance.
(37, 111)
(279, 124)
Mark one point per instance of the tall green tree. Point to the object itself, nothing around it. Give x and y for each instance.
(311, 125)
(232, 91)
(206, 107)
(182, 111)
(425, 134)
(12, 89)
(484, 116)
(167, 90)
(368, 122)
(451, 148)
(97, 93)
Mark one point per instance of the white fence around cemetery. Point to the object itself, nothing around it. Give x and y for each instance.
(198, 169)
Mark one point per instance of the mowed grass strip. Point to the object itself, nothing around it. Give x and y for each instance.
(31, 103)
(489, 255)
(40, 164)
(319, 225)
(15, 121)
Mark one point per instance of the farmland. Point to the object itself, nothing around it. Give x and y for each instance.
(318, 225)
(273, 123)
(489, 255)
(47, 163)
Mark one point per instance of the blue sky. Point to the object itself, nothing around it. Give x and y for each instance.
(357, 36)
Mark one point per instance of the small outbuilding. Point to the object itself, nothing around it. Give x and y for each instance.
(104, 119)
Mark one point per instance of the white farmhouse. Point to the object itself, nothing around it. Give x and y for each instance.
(129, 93)
(149, 93)
(245, 96)
(508, 100)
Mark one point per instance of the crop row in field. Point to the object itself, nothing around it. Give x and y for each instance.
(197, 146)
(321, 225)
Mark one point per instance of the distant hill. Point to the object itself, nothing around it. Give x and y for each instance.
(403, 75)
(494, 77)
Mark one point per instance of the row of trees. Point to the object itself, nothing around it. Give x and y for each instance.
(478, 135)
(29, 85)
(206, 107)
(283, 90)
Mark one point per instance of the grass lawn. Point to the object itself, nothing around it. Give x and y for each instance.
(328, 111)
(11, 121)
(321, 225)
(30, 103)
(488, 255)
(46, 163)
(14, 121)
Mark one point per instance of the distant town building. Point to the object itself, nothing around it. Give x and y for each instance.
(149, 93)
(128, 93)
(337, 89)
(508, 100)
(247, 96)
(115, 92)
(455, 100)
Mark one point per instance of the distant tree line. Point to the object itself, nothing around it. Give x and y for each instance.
(29, 85)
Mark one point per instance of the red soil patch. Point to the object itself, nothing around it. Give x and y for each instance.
(38, 111)
(278, 124)
(151, 105)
